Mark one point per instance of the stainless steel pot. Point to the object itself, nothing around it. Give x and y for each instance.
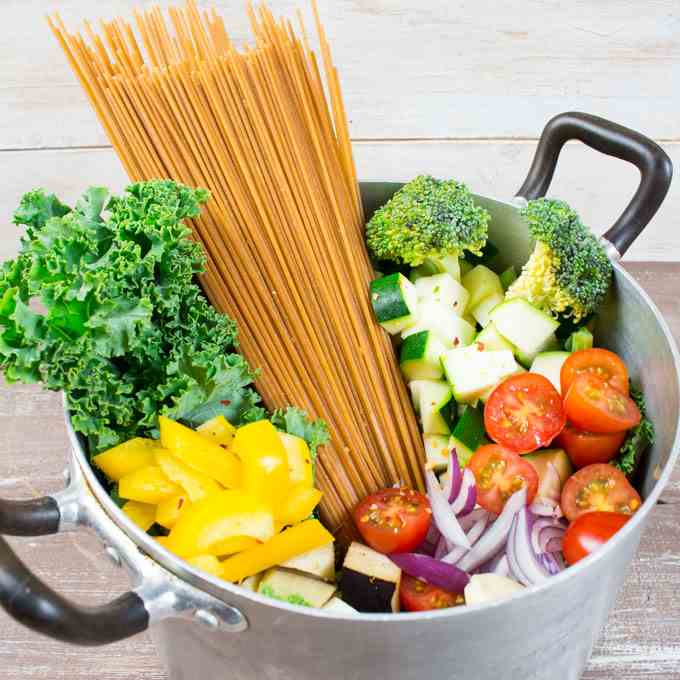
(208, 629)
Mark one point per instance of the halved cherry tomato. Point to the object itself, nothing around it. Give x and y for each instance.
(524, 413)
(499, 473)
(418, 596)
(598, 487)
(585, 448)
(596, 361)
(595, 406)
(588, 532)
(394, 520)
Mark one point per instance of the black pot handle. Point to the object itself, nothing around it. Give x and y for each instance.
(656, 169)
(31, 602)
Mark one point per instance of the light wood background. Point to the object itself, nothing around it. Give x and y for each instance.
(458, 89)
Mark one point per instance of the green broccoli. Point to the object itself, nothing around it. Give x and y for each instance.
(568, 272)
(427, 219)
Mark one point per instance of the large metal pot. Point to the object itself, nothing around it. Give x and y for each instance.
(206, 628)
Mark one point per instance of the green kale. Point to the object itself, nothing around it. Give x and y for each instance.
(427, 219)
(295, 421)
(102, 303)
(638, 439)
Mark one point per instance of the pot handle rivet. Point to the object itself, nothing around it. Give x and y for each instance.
(207, 619)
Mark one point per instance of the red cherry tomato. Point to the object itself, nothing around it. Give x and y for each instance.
(524, 413)
(596, 361)
(598, 487)
(595, 406)
(499, 473)
(418, 596)
(590, 531)
(394, 520)
(585, 448)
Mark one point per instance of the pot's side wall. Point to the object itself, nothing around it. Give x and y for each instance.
(546, 636)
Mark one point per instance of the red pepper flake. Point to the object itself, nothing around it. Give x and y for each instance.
(225, 402)
(480, 346)
(456, 341)
(455, 303)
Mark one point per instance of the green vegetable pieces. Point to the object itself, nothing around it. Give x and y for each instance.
(101, 303)
(638, 439)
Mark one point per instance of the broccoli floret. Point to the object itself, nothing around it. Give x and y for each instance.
(427, 219)
(568, 272)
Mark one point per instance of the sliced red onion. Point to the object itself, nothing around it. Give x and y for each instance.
(549, 563)
(546, 508)
(554, 545)
(454, 478)
(501, 566)
(525, 564)
(496, 535)
(442, 548)
(464, 503)
(545, 529)
(432, 571)
(473, 535)
(551, 480)
(442, 514)
(468, 521)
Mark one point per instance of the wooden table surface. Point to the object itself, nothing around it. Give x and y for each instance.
(641, 640)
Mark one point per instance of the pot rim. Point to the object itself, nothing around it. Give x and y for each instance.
(224, 589)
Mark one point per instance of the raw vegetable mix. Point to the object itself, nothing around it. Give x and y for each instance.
(501, 374)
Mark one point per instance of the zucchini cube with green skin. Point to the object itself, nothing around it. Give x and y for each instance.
(444, 289)
(530, 330)
(420, 357)
(481, 283)
(436, 406)
(472, 370)
(469, 430)
(508, 277)
(295, 588)
(450, 329)
(482, 312)
(436, 451)
(484, 396)
(549, 365)
(491, 339)
(395, 302)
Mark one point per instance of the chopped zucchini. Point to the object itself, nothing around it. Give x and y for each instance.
(469, 430)
(581, 338)
(437, 407)
(450, 329)
(436, 451)
(463, 453)
(481, 282)
(508, 277)
(370, 580)
(472, 370)
(295, 588)
(529, 329)
(482, 312)
(491, 339)
(444, 289)
(420, 357)
(549, 364)
(338, 606)
(395, 302)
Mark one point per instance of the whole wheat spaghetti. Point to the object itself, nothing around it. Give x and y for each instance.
(263, 130)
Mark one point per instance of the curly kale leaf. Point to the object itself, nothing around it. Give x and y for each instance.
(638, 439)
(295, 421)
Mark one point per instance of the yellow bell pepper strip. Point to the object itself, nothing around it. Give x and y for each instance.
(208, 563)
(163, 540)
(125, 458)
(229, 546)
(299, 505)
(218, 517)
(265, 464)
(197, 485)
(147, 485)
(200, 453)
(218, 430)
(169, 510)
(142, 514)
(300, 467)
(299, 539)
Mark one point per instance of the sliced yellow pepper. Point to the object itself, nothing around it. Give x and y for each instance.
(218, 430)
(299, 539)
(142, 514)
(207, 563)
(265, 464)
(200, 453)
(299, 505)
(218, 517)
(163, 540)
(125, 458)
(197, 485)
(229, 546)
(299, 459)
(147, 485)
(170, 510)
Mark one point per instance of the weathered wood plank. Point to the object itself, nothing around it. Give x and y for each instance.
(475, 68)
(640, 642)
(598, 186)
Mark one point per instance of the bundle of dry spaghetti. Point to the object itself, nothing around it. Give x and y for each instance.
(267, 134)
